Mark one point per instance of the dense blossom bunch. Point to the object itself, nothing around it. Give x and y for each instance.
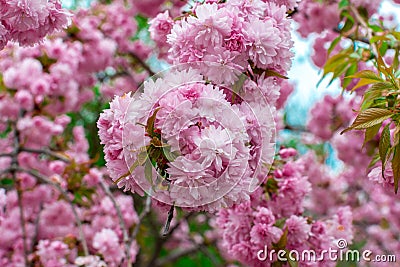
(28, 22)
(246, 228)
(211, 149)
(232, 34)
(51, 222)
(326, 15)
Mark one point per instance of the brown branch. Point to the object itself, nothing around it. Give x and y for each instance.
(145, 211)
(360, 19)
(46, 152)
(173, 256)
(121, 222)
(164, 238)
(23, 225)
(142, 63)
(36, 234)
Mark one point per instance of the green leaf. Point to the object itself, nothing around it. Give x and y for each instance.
(369, 98)
(363, 12)
(333, 44)
(377, 38)
(6, 182)
(292, 263)
(396, 167)
(5, 133)
(350, 71)
(281, 244)
(384, 146)
(366, 77)
(280, 223)
(348, 25)
(170, 156)
(369, 118)
(272, 73)
(238, 85)
(148, 171)
(343, 4)
(396, 35)
(371, 132)
(367, 74)
(338, 59)
(346, 14)
(374, 160)
(383, 48)
(382, 86)
(142, 22)
(395, 64)
(375, 28)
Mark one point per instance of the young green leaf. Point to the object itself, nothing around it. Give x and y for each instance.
(333, 44)
(366, 77)
(370, 133)
(343, 4)
(384, 146)
(281, 244)
(396, 167)
(148, 171)
(369, 118)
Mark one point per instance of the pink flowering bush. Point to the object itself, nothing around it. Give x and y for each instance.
(158, 133)
(28, 22)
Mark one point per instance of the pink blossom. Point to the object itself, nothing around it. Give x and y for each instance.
(106, 242)
(298, 229)
(265, 38)
(263, 234)
(52, 253)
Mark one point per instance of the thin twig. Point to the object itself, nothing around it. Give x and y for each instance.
(365, 25)
(66, 197)
(36, 234)
(14, 165)
(210, 256)
(121, 221)
(46, 152)
(173, 256)
(7, 155)
(142, 63)
(161, 240)
(23, 226)
(143, 214)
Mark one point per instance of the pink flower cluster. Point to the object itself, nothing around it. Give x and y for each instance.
(248, 227)
(232, 34)
(50, 222)
(28, 22)
(219, 148)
